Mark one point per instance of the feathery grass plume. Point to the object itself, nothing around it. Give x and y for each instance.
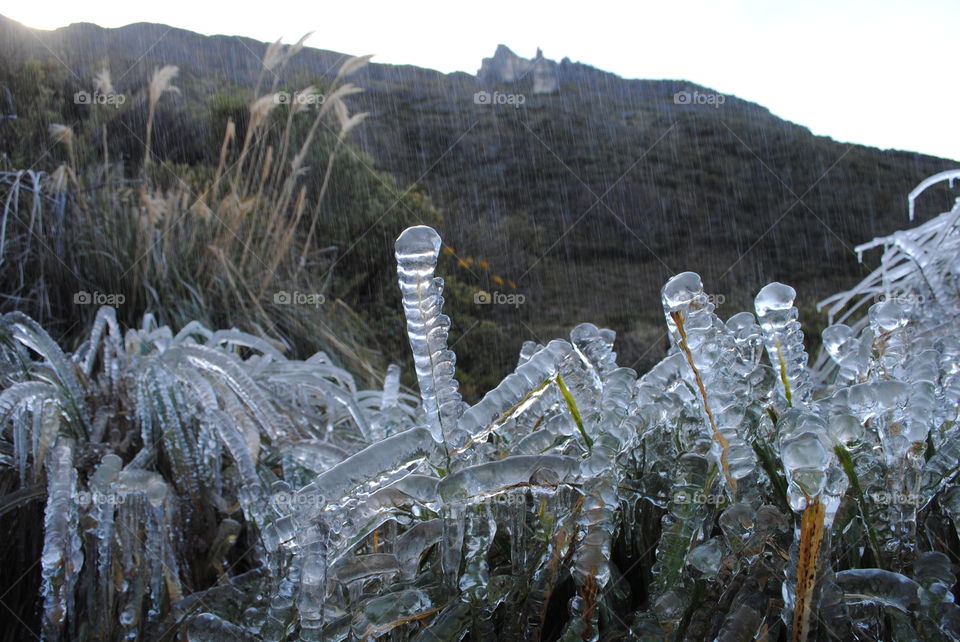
(295, 48)
(229, 134)
(63, 135)
(353, 65)
(347, 123)
(259, 112)
(303, 98)
(276, 57)
(156, 207)
(102, 83)
(159, 84)
(333, 98)
(104, 86)
(301, 102)
(272, 57)
(57, 183)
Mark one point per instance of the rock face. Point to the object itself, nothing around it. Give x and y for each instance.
(508, 67)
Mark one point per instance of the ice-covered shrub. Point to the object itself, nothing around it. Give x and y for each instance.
(733, 492)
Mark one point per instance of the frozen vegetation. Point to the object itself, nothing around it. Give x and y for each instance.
(200, 484)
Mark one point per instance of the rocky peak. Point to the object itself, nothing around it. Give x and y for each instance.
(507, 67)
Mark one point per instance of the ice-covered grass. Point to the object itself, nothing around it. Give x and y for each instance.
(199, 483)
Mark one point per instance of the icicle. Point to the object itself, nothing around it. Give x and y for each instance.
(207, 627)
(527, 350)
(411, 546)
(451, 543)
(849, 351)
(889, 321)
(105, 500)
(62, 554)
(479, 530)
(516, 508)
(417, 250)
(385, 613)
(391, 417)
(29, 333)
(279, 621)
(360, 567)
(950, 175)
(316, 455)
(312, 597)
(558, 512)
(679, 526)
(251, 493)
(449, 625)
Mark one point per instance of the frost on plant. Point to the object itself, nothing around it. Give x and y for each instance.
(199, 481)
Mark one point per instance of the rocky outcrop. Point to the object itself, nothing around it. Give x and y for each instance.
(508, 67)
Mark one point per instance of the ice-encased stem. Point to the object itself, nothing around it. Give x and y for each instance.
(510, 398)
(416, 251)
(62, 554)
(689, 319)
(596, 524)
(101, 483)
(498, 476)
(811, 537)
(379, 463)
(784, 341)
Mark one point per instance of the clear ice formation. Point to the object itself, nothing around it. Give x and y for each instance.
(427, 327)
(716, 368)
(369, 513)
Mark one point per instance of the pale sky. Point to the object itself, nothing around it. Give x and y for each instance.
(877, 73)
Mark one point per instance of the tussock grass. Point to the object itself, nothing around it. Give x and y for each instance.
(182, 245)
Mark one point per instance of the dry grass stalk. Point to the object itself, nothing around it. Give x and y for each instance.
(160, 83)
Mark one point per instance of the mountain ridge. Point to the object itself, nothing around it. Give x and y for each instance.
(587, 197)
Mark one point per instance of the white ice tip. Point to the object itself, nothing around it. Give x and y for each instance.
(774, 297)
(681, 290)
(834, 337)
(888, 316)
(419, 240)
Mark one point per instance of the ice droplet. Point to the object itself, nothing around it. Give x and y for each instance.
(682, 290)
(706, 558)
(774, 297)
(834, 337)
